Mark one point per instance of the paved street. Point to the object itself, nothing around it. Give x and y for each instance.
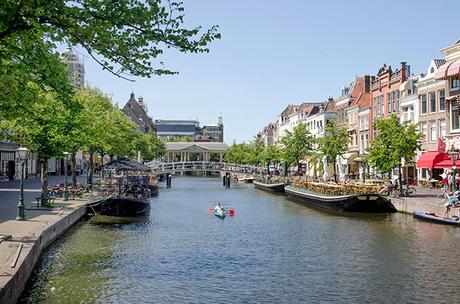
(9, 195)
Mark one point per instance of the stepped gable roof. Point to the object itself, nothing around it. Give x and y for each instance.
(384, 69)
(138, 115)
(439, 62)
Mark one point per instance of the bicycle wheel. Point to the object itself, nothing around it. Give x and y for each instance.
(411, 191)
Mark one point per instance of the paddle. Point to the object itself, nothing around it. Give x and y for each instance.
(230, 212)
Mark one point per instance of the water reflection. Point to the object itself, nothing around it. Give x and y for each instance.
(273, 251)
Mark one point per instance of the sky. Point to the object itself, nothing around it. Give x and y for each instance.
(275, 53)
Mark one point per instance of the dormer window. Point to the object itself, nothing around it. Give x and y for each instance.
(432, 70)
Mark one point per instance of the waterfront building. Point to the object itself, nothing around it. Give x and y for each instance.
(285, 121)
(177, 128)
(432, 115)
(385, 91)
(267, 135)
(450, 73)
(316, 122)
(215, 132)
(136, 110)
(409, 112)
(195, 151)
(364, 116)
(353, 97)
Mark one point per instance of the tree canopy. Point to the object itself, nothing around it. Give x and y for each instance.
(393, 143)
(122, 36)
(297, 144)
(334, 143)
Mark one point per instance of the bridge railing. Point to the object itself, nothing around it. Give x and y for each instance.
(160, 168)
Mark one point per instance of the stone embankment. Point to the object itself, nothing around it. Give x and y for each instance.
(20, 252)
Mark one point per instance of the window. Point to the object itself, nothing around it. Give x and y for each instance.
(389, 103)
(382, 104)
(442, 100)
(433, 134)
(375, 107)
(442, 128)
(432, 102)
(454, 121)
(423, 129)
(396, 101)
(424, 109)
(454, 83)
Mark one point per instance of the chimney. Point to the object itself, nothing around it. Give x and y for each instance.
(404, 69)
(367, 83)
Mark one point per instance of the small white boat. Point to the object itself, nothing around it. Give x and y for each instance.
(219, 214)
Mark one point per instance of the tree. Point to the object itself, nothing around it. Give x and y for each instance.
(272, 154)
(393, 143)
(334, 143)
(150, 146)
(297, 145)
(179, 139)
(238, 154)
(122, 36)
(45, 127)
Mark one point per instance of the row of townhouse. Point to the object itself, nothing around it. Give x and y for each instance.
(431, 100)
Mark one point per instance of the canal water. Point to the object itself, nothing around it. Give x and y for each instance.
(273, 251)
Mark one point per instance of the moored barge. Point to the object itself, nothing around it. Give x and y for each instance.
(366, 202)
(272, 187)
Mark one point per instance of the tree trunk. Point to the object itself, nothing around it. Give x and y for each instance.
(400, 179)
(44, 180)
(335, 173)
(91, 168)
(74, 169)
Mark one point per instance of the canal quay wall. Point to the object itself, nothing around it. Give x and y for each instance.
(20, 253)
(414, 204)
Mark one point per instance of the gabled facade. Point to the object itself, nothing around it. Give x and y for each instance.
(136, 111)
(385, 91)
(450, 73)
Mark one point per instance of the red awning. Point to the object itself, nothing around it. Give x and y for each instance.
(447, 164)
(454, 69)
(431, 158)
(441, 73)
(448, 69)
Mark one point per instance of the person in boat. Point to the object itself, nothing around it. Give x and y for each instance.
(453, 202)
(218, 208)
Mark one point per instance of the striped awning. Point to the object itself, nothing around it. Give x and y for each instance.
(448, 69)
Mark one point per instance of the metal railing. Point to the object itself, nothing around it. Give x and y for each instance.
(208, 166)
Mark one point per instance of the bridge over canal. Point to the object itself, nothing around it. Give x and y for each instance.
(204, 166)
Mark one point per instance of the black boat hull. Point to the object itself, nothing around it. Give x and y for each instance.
(153, 190)
(372, 203)
(120, 206)
(278, 188)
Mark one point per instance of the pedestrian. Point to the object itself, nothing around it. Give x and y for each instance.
(457, 181)
(444, 181)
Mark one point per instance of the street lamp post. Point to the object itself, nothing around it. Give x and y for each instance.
(453, 153)
(66, 192)
(23, 154)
